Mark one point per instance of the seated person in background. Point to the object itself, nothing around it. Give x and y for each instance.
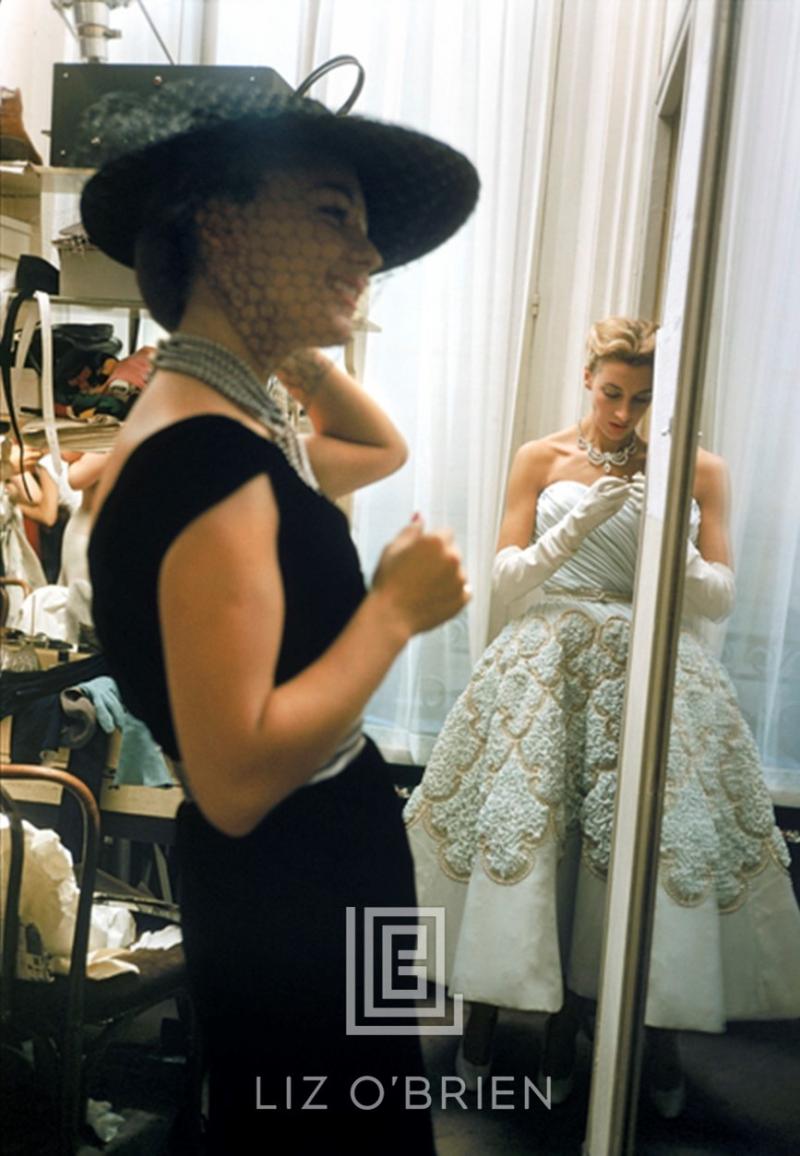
(50, 537)
(25, 492)
(63, 610)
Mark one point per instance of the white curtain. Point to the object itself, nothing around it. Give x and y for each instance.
(753, 390)
(447, 360)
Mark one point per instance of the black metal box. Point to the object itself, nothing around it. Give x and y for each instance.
(77, 86)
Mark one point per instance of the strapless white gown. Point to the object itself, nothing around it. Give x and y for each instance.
(511, 825)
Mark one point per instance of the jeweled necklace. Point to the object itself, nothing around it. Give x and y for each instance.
(607, 458)
(217, 367)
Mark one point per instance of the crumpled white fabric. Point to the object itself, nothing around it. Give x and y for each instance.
(103, 1120)
(49, 900)
(162, 939)
(56, 611)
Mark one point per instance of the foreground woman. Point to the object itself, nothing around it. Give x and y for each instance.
(227, 592)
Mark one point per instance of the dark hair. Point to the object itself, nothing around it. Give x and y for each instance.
(166, 263)
(167, 246)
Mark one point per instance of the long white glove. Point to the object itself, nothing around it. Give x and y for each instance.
(710, 587)
(516, 572)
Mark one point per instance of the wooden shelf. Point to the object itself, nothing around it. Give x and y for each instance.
(22, 179)
(133, 305)
(101, 303)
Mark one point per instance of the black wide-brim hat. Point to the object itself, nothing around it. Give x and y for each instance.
(184, 141)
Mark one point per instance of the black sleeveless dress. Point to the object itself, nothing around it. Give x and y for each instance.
(264, 917)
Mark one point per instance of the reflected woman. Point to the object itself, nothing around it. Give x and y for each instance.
(511, 826)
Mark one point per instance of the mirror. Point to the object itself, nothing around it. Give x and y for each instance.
(688, 250)
(682, 943)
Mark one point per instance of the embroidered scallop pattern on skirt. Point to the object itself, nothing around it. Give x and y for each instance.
(530, 752)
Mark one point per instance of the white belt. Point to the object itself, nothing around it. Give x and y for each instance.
(349, 749)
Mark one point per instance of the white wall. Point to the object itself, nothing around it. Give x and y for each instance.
(33, 38)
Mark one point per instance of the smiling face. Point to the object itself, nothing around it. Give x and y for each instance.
(620, 395)
(290, 265)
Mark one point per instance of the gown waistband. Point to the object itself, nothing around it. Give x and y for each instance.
(588, 593)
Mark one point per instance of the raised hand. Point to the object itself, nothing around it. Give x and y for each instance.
(421, 577)
(516, 571)
(635, 498)
(600, 502)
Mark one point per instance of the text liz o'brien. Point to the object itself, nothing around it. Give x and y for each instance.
(308, 1093)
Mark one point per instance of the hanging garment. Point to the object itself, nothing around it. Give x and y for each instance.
(140, 762)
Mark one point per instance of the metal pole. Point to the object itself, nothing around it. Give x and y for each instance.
(611, 1127)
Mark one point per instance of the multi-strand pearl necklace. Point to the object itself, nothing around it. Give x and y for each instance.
(221, 369)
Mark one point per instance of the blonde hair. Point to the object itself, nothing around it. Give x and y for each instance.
(627, 339)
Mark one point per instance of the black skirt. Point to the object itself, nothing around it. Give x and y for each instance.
(265, 923)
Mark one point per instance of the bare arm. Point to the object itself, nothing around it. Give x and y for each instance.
(247, 743)
(354, 442)
(712, 491)
(17, 459)
(86, 470)
(528, 472)
(39, 501)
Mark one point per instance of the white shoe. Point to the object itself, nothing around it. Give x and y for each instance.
(467, 1071)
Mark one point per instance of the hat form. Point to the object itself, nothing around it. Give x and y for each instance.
(183, 138)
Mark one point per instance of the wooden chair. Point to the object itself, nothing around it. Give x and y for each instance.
(70, 1021)
(128, 814)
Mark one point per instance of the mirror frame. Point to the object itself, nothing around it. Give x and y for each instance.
(704, 49)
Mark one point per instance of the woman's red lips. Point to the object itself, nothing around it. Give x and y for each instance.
(348, 291)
